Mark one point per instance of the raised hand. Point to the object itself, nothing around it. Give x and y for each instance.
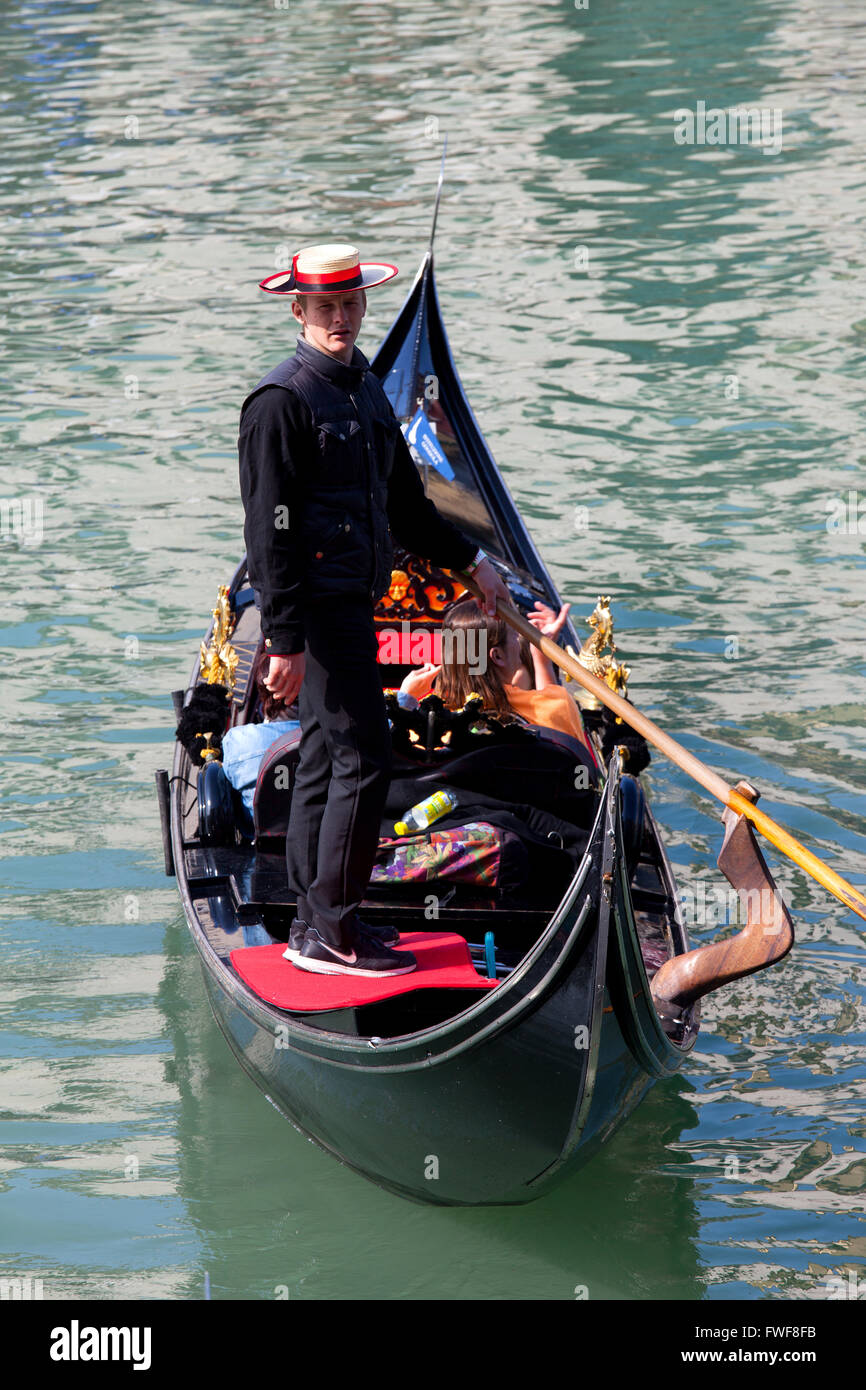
(548, 623)
(419, 683)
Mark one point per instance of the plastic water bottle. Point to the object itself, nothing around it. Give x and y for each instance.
(424, 814)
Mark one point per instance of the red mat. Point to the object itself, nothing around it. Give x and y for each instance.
(443, 963)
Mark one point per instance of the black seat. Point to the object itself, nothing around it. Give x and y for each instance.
(272, 801)
(540, 773)
(509, 761)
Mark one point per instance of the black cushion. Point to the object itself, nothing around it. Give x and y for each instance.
(272, 801)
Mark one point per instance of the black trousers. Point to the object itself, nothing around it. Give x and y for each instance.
(342, 779)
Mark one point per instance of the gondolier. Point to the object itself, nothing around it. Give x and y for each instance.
(327, 479)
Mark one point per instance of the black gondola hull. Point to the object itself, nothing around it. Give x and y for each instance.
(500, 1104)
(520, 1085)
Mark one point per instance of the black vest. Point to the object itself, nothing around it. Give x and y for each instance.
(347, 460)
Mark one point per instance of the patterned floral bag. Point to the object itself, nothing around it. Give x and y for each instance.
(467, 854)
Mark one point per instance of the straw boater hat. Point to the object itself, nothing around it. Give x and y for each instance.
(333, 269)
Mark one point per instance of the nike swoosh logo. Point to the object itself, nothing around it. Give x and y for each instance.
(350, 960)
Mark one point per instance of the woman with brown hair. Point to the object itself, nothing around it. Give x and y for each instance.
(510, 674)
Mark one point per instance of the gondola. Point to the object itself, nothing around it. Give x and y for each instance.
(495, 1083)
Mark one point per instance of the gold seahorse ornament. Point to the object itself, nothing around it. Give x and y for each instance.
(593, 657)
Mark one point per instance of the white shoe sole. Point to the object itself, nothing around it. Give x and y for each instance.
(292, 952)
(327, 967)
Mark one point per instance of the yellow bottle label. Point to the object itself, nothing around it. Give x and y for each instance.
(426, 812)
(435, 805)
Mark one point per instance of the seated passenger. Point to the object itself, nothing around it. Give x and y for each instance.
(245, 745)
(517, 678)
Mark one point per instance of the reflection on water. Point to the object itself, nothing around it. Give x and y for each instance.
(664, 346)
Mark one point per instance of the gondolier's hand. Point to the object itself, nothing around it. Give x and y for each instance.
(285, 677)
(492, 586)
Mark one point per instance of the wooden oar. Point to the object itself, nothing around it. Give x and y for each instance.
(711, 781)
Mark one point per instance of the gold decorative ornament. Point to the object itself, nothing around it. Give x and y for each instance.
(219, 658)
(419, 591)
(399, 587)
(593, 657)
(209, 754)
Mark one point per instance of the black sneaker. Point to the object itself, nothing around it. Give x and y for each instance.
(389, 936)
(366, 956)
(296, 938)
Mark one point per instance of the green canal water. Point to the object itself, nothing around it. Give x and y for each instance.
(664, 344)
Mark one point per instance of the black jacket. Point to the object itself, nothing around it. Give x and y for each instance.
(326, 480)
